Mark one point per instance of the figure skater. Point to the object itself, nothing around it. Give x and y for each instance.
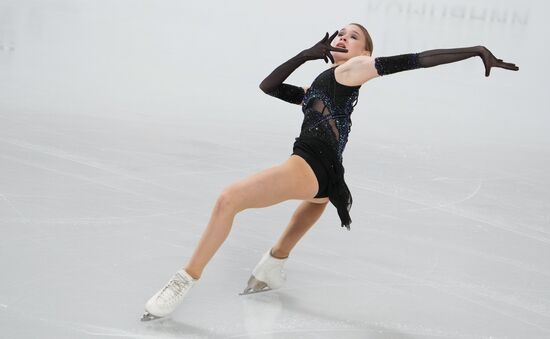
(314, 172)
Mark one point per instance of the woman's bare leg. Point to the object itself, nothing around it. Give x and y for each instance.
(305, 216)
(293, 179)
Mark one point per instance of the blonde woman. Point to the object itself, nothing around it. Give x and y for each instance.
(314, 172)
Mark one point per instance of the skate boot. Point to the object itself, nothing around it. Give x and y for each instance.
(169, 297)
(267, 275)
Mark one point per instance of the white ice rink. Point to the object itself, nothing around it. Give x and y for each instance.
(122, 121)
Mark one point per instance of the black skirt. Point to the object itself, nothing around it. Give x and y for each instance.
(338, 193)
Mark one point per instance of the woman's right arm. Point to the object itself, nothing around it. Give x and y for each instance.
(273, 85)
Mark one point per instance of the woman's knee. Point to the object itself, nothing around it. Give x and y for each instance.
(268, 187)
(228, 201)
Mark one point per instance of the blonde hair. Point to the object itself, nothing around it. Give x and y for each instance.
(368, 43)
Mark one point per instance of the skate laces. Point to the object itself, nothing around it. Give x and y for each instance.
(174, 288)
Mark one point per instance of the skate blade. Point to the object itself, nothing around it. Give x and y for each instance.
(255, 286)
(251, 291)
(148, 317)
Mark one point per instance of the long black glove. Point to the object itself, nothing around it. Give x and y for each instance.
(434, 57)
(273, 84)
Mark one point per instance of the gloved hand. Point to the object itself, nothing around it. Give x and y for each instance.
(321, 50)
(489, 60)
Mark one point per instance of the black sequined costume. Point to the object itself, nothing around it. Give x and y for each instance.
(327, 106)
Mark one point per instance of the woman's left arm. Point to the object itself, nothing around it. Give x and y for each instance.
(434, 57)
(360, 69)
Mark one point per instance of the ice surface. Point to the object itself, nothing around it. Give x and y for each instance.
(122, 121)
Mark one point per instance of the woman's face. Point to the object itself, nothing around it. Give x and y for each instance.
(351, 38)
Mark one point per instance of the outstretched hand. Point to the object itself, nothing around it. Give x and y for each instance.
(489, 60)
(321, 50)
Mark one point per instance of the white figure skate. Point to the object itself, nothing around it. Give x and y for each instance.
(267, 275)
(169, 297)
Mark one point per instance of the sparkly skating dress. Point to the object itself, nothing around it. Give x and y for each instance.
(327, 106)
